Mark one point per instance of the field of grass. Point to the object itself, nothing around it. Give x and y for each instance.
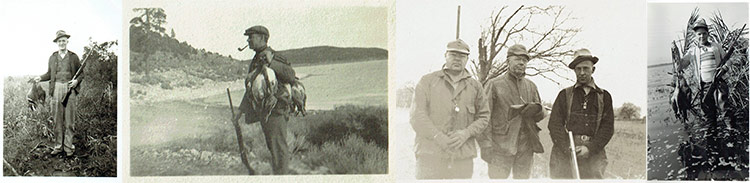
(188, 130)
(28, 137)
(626, 152)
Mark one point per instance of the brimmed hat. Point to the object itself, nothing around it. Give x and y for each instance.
(518, 50)
(458, 46)
(258, 29)
(59, 34)
(700, 23)
(581, 55)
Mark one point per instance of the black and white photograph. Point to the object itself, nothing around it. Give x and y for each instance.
(60, 88)
(257, 88)
(698, 91)
(519, 90)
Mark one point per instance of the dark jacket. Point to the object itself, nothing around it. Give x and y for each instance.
(502, 134)
(75, 64)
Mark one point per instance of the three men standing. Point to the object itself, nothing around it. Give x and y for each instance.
(63, 65)
(509, 142)
(449, 110)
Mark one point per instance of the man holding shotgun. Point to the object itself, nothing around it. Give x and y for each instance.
(585, 110)
(709, 61)
(63, 68)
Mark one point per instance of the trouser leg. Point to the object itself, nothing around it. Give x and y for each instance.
(58, 113)
(519, 165)
(70, 121)
(593, 167)
(275, 134)
(429, 167)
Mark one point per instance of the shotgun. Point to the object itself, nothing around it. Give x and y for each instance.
(576, 173)
(75, 77)
(240, 141)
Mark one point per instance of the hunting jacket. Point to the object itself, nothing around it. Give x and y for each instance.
(502, 134)
(438, 109)
(51, 74)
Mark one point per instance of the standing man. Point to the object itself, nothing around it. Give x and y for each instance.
(509, 143)
(275, 128)
(62, 66)
(450, 109)
(586, 110)
(706, 59)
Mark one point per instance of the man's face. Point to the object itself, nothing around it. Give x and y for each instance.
(256, 41)
(456, 61)
(517, 65)
(702, 35)
(583, 72)
(62, 43)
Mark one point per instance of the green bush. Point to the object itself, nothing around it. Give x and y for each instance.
(368, 122)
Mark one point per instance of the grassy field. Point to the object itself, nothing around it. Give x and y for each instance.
(188, 131)
(28, 138)
(626, 151)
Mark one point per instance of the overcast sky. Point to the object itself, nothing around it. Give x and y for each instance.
(30, 26)
(614, 31)
(218, 26)
(667, 22)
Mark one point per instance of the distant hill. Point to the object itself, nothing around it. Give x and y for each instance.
(329, 54)
(152, 52)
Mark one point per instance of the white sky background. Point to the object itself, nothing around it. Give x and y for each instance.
(614, 31)
(30, 26)
(219, 26)
(668, 21)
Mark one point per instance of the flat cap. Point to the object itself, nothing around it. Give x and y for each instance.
(458, 45)
(518, 50)
(258, 29)
(581, 55)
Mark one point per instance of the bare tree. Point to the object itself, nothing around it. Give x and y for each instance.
(550, 37)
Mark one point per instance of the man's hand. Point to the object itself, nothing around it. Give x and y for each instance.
(458, 138)
(443, 141)
(582, 151)
(72, 83)
(530, 109)
(37, 79)
(236, 117)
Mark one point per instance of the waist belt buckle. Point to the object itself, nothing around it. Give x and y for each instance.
(585, 138)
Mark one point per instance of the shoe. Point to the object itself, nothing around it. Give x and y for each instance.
(56, 151)
(69, 153)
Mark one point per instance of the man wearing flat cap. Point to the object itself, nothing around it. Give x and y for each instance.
(450, 110)
(706, 60)
(509, 142)
(586, 110)
(274, 128)
(62, 66)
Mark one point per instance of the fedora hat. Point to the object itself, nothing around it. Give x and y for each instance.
(59, 34)
(581, 55)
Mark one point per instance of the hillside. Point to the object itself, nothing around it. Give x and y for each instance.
(154, 54)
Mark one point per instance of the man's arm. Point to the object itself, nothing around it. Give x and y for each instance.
(482, 115)
(557, 117)
(485, 137)
(420, 122)
(538, 116)
(606, 126)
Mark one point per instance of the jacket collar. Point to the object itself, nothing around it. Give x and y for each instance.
(463, 75)
(591, 84)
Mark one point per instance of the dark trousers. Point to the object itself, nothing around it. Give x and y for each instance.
(275, 133)
(591, 167)
(519, 164)
(433, 167)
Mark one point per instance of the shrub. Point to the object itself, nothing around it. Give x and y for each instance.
(352, 156)
(370, 123)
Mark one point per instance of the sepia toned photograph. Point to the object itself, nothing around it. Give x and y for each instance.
(60, 93)
(519, 90)
(249, 88)
(698, 91)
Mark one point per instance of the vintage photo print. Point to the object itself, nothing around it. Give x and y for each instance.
(519, 90)
(697, 91)
(60, 88)
(257, 88)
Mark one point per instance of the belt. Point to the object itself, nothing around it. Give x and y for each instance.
(580, 140)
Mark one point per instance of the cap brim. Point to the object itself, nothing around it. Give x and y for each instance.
(458, 50)
(696, 28)
(580, 59)
(58, 37)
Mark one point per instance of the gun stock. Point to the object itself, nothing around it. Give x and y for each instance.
(240, 139)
